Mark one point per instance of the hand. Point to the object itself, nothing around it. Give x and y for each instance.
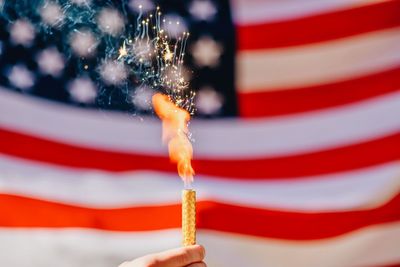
(191, 256)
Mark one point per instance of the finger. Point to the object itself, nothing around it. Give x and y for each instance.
(179, 257)
(125, 264)
(197, 264)
(182, 256)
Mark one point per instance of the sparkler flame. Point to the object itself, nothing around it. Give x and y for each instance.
(122, 51)
(175, 133)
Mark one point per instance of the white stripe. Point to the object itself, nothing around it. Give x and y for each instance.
(247, 12)
(372, 246)
(227, 138)
(321, 63)
(361, 189)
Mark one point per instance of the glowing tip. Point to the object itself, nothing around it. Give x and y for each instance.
(168, 56)
(122, 51)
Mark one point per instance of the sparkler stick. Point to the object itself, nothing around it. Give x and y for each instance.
(188, 217)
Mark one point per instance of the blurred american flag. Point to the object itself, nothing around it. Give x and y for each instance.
(297, 141)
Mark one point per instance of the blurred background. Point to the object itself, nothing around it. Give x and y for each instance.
(296, 134)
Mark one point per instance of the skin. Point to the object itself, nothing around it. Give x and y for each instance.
(191, 256)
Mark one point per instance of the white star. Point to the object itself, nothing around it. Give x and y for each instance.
(110, 21)
(50, 62)
(206, 52)
(203, 10)
(81, 2)
(208, 101)
(141, 97)
(174, 25)
(20, 77)
(52, 14)
(82, 90)
(83, 43)
(22, 32)
(113, 72)
(141, 5)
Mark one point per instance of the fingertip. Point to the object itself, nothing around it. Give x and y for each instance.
(202, 251)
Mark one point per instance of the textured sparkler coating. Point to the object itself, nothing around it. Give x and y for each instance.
(188, 217)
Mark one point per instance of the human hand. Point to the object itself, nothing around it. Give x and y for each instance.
(191, 256)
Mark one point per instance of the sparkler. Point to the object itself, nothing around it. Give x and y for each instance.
(174, 107)
(152, 53)
(175, 134)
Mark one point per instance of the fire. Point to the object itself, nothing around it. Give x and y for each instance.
(122, 51)
(175, 134)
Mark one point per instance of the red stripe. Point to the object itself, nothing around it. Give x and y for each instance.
(26, 212)
(344, 158)
(319, 28)
(273, 102)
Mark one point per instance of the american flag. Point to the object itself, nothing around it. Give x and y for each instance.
(297, 140)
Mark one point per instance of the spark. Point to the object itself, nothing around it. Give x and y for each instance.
(156, 60)
(122, 51)
(168, 55)
(126, 54)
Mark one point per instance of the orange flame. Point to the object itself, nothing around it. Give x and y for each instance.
(175, 133)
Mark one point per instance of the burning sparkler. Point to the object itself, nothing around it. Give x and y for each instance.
(161, 60)
(175, 134)
(153, 53)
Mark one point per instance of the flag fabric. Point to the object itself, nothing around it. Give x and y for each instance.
(296, 142)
